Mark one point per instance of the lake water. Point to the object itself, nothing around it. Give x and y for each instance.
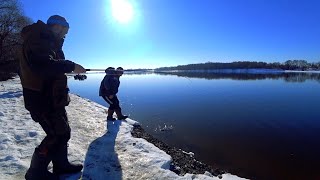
(258, 126)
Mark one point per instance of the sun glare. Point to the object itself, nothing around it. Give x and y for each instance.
(122, 10)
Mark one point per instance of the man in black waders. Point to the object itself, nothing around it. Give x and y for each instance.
(42, 73)
(109, 89)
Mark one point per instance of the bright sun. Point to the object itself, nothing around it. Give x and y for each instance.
(122, 10)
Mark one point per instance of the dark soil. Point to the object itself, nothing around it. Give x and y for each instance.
(182, 162)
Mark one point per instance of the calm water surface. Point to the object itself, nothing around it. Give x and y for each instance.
(255, 126)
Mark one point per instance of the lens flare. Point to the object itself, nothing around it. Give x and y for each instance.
(122, 11)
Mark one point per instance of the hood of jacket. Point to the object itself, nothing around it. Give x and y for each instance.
(38, 28)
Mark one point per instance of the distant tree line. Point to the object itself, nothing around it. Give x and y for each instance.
(139, 69)
(288, 65)
(12, 20)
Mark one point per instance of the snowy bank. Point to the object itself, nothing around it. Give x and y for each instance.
(106, 148)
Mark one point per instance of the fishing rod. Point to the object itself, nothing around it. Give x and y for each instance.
(82, 76)
(95, 70)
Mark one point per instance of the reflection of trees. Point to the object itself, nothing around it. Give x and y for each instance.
(288, 77)
(301, 77)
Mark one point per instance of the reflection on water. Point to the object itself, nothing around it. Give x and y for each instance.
(164, 128)
(256, 125)
(288, 77)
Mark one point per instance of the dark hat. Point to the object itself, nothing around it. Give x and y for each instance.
(109, 69)
(119, 69)
(56, 19)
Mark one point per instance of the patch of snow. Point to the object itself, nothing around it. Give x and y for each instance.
(188, 153)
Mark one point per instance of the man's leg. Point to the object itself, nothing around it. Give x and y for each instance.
(60, 162)
(53, 146)
(41, 156)
(117, 108)
(110, 109)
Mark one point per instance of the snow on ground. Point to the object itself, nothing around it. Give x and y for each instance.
(106, 148)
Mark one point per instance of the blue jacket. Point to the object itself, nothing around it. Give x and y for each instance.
(109, 85)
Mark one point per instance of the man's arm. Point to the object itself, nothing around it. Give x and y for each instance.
(40, 58)
(112, 86)
(106, 83)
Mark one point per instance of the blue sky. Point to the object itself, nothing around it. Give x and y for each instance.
(174, 32)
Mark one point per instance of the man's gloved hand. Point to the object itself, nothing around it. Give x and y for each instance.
(78, 69)
(80, 77)
(111, 96)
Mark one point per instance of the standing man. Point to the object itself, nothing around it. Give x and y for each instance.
(42, 73)
(108, 90)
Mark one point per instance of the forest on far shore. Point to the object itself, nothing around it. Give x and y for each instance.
(301, 65)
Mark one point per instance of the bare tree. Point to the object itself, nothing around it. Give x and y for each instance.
(12, 21)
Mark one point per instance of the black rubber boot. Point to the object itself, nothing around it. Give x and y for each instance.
(38, 167)
(60, 162)
(110, 118)
(120, 116)
(110, 115)
(123, 117)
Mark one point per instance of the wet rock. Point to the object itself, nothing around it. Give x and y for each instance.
(175, 169)
(182, 162)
